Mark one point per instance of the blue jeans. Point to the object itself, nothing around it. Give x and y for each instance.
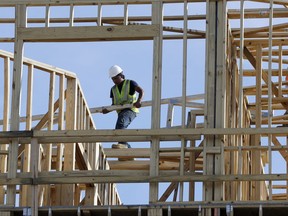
(125, 117)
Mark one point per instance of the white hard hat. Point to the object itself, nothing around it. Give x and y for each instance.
(114, 71)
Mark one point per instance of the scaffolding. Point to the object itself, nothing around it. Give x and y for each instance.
(54, 162)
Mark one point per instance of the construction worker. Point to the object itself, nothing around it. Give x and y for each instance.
(124, 92)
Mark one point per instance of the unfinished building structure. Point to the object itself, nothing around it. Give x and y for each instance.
(54, 163)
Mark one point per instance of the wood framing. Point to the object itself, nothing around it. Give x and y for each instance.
(229, 136)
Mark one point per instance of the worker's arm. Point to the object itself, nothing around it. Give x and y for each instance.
(140, 96)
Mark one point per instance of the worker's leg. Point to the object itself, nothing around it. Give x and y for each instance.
(125, 117)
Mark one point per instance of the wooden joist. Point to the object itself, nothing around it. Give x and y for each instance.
(257, 13)
(142, 153)
(145, 165)
(262, 29)
(88, 33)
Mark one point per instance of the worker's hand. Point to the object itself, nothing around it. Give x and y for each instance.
(105, 111)
(137, 104)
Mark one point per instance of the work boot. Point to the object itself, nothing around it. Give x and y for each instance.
(121, 146)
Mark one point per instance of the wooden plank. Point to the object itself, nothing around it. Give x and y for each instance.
(82, 2)
(114, 19)
(48, 148)
(108, 176)
(264, 41)
(26, 200)
(275, 72)
(6, 107)
(34, 168)
(47, 16)
(88, 33)
(184, 93)
(170, 112)
(192, 157)
(145, 153)
(256, 159)
(67, 191)
(99, 15)
(155, 211)
(60, 146)
(251, 13)
(71, 17)
(146, 132)
(215, 97)
(125, 21)
(7, 95)
(275, 52)
(96, 177)
(157, 19)
(20, 15)
(280, 70)
(279, 35)
(262, 29)
(60, 121)
(279, 132)
(221, 94)
(210, 93)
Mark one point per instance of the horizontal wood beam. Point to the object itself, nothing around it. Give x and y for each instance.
(258, 13)
(96, 177)
(263, 41)
(143, 153)
(128, 176)
(11, 3)
(88, 33)
(261, 29)
(105, 19)
(158, 132)
(165, 134)
(165, 37)
(275, 72)
(141, 132)
(177, 207)
(104, 2)
(275, 34)
(145, 164)
(280, 2)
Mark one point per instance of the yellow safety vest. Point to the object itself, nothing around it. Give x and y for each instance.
(124, 97)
